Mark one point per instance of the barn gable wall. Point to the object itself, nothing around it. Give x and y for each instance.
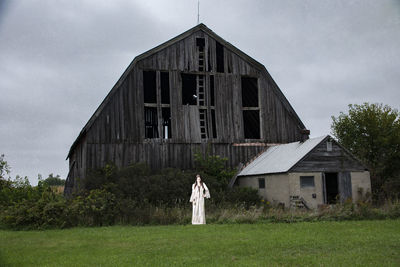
(337, 160)
(116, 131)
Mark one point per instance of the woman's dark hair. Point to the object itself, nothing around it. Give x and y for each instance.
(201, 181)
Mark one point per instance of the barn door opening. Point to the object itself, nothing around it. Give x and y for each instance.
(331, 187)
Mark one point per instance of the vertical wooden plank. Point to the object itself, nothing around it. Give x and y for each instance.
(345, 189)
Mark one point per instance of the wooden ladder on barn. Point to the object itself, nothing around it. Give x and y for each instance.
(201, 102)
(203, 123)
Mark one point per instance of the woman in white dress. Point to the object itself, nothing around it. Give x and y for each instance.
(199, 192)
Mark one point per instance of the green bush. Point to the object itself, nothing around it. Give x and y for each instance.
(137, 195)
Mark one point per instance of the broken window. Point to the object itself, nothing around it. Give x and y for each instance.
(166, 122)
(220, 57)
(249, 92)
(251, 121)
(151, 122)
(164, 79)
(149, 87)
(261, 183)
(306, 181)
(189, 92)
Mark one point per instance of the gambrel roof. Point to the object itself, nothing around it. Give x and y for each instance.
(200, 27)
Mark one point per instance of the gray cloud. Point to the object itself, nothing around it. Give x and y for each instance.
(58, 60)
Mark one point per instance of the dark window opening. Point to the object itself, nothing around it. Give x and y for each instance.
(212, 90)
(166, 122)
(261, 183)
(220, 57)
(209, 59)
(164, 77)
(213, 124)
(200, 42)
(249, 92)
(307, 181)
(150, 122)
(189, 94)
(332, 187)
(149, 87)
(251, 120)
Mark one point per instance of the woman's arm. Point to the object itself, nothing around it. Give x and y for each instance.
(207, 193)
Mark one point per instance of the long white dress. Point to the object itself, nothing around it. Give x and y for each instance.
(197, 199)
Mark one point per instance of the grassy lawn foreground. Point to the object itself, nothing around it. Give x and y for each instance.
(372, 243)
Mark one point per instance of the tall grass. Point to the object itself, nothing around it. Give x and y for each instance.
(258, 214)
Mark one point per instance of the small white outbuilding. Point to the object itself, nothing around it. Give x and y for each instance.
(311, 173)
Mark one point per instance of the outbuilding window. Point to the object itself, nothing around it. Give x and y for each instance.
(306, 181)
(261, 183)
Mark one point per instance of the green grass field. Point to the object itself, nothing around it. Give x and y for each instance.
(350, 243)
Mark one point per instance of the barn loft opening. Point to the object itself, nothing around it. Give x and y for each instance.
(149, 87)
(213, 124)
(212, 90)
(164, 79)
(166, 122)
(200, 42)
(249, 92)
(220, 57)
(189, 92)
(331, 187)
(151, 122)
(251, 121)
(209, 59)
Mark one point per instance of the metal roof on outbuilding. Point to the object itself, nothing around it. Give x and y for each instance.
(280, 158)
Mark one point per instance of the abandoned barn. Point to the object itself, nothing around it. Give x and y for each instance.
(192, 93)
(311, 173)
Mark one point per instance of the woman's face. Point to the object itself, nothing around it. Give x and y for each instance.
(198, 179)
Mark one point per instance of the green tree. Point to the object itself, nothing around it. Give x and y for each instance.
(54, 180)
(4, 168)
(372, 132)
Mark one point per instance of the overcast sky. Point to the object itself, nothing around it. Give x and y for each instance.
(59, 59)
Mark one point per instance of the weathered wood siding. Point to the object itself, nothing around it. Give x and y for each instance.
(117, 133)
(321, 160)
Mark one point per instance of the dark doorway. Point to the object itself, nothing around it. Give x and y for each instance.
(331, 187)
